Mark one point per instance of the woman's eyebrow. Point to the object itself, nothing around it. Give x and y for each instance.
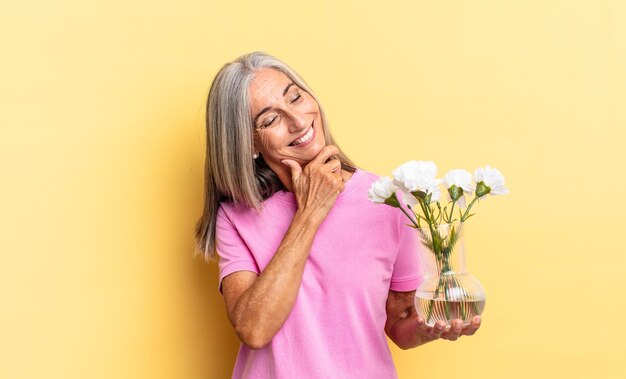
(287, 88)
(268, 108)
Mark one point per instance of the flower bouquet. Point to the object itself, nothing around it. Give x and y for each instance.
(448, 291)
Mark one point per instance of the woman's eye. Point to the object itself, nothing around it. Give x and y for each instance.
(295, 98)
(269, 122)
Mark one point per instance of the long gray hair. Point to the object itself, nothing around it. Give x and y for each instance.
(230, 172)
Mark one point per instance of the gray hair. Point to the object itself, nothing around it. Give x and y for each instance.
(230, 172)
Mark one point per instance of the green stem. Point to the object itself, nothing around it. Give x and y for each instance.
(475, 306)
(441, 284)
(437, 242)
(429, 313)
(461, 305)
(432, 301)
(420, 217)
(407, 215)
(447, 303)
(451, 210)
(463, 218)
(434, 234)
(440, 215)
(421, 202)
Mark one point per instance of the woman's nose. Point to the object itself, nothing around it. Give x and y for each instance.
(298, 122)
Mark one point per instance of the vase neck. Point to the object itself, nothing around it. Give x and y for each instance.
(442, 249)
(453, 266)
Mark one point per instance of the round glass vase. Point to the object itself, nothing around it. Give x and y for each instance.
(448, 291)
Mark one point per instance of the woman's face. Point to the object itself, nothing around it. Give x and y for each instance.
(287, 120)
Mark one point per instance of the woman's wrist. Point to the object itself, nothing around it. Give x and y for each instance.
(309, 217)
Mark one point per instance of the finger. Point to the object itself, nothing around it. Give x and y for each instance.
(472, 327)
(455, 331)
(424, 330)
(334, 165)
(332, 158)
(294, 167)
(326, 152)
(422, 327)
(438, 329)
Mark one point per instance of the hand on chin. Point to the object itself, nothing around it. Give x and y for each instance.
(304, 160)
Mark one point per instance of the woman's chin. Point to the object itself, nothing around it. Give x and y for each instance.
(308, 159)
(306, 155)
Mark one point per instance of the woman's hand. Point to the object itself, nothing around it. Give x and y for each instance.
(317, 186)
(407, 330)
(441, 330)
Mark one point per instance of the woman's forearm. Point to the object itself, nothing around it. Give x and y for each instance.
(404, 332)
(402, 325)
(262, 309)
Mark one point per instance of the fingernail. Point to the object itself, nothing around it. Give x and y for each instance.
(478, 319)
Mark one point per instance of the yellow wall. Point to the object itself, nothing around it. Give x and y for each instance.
(101, 146)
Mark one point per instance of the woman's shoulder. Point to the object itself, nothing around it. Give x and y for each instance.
(368, 175)
(367, 178)
(279, 202)
(358, 186)
(363, 179)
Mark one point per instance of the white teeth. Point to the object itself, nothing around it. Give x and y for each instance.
(304, 138)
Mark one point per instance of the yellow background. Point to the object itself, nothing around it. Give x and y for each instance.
(101, 146)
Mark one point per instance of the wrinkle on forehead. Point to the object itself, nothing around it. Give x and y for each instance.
(267, 84)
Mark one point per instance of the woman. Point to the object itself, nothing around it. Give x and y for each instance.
(314, 276)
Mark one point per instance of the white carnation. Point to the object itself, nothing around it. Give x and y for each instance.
(435, 192)
(418, 176)
(409, 199)
(381, 190)
(492, 178)
(462, 179)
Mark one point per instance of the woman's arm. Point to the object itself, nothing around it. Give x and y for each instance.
(407, 330)
(258, 306)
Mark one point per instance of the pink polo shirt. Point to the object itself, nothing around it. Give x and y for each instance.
(336, 327)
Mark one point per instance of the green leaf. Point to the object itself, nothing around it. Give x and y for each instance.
(469, 216)
(427, 241)
(454, 236)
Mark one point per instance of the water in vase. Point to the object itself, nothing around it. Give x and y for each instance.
(440, 309)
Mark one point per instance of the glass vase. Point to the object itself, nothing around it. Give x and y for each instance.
(448, 291)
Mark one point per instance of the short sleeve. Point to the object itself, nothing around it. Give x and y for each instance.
(233, 252)
(407, 271)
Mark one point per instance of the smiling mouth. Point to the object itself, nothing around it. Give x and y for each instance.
(306, 137)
